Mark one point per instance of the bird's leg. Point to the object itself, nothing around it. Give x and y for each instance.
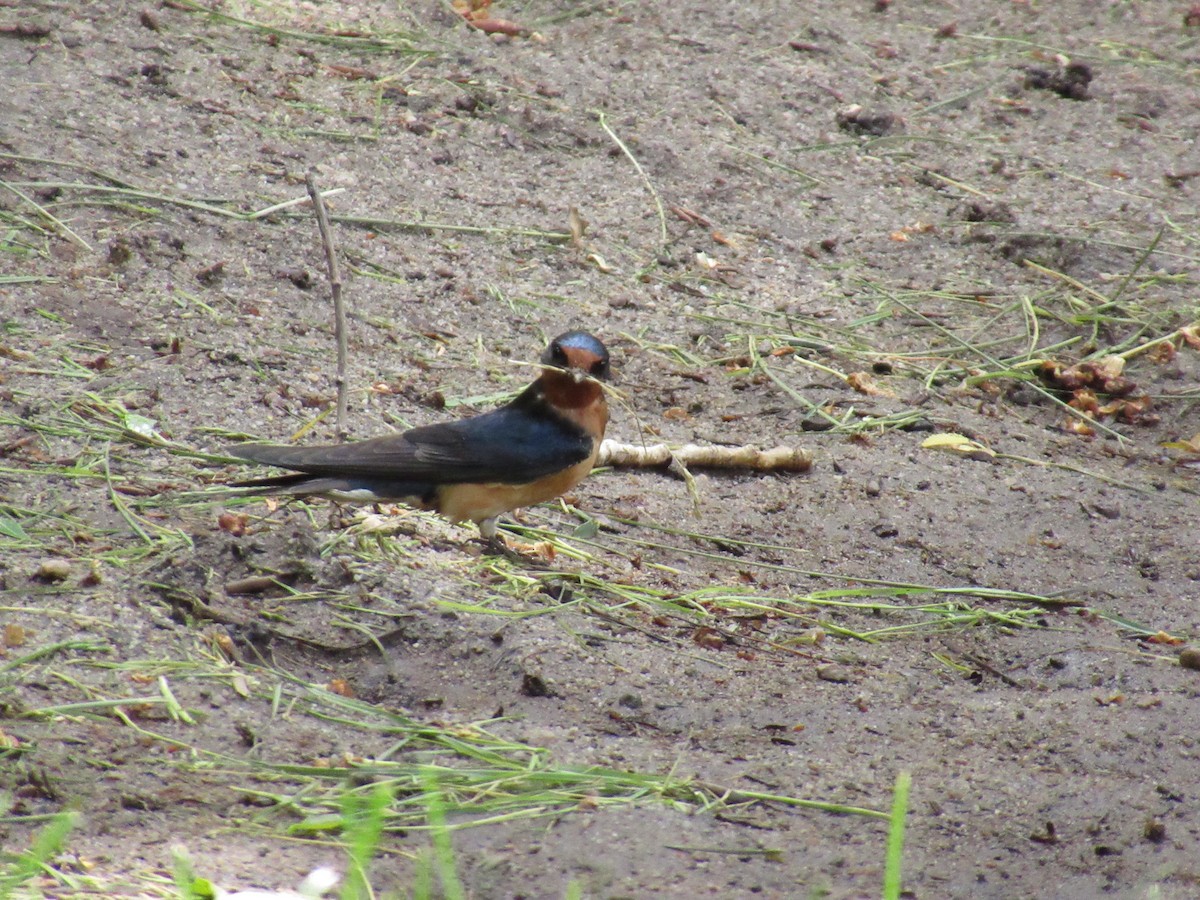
(498, 546)
(495, 543)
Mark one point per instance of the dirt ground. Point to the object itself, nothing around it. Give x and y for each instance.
(847, 226)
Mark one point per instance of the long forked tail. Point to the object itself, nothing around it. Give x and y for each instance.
(354, 488)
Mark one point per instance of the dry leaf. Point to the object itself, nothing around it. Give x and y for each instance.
(1163, 638)
(598, 261)
(1085, 401)
(1188, 446)
(1162, 352)
(691, 216)
(234, 523)
(957, 443)
(1111, 366)
(865, 384)
(708, 637)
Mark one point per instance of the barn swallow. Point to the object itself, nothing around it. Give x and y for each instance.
(535, 448)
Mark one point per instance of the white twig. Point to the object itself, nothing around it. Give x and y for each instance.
(777, 459)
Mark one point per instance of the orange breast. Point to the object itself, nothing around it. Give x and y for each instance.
(476, 502)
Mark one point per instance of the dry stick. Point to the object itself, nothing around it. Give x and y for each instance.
(335, 288)
(677, 460)
(777, 459)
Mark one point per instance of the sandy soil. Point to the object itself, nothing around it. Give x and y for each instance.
(852, 227)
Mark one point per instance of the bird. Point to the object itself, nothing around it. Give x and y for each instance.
(534, 448)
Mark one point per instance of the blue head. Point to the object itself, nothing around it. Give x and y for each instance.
(578, 351)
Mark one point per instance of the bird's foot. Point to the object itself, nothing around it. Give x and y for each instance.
(538, 555)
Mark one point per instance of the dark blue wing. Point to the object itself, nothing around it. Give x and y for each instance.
(512, 445)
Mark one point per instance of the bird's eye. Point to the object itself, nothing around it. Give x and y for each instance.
(558, 354)
(599, 368)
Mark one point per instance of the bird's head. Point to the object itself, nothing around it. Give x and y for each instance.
(578, 355)
(574, 368)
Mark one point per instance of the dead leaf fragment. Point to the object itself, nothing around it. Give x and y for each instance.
(1110, 366)
(353, 73)
(865, 384)
(234, 523)
(1192, 445)
(499, 26)
(1088, 381)
(478, 15)
(725, 241)
(1085, 401)
(950, 442)
(708, 637)
(1163, 637)
(691, 216)
(1162, 352)
(600, 263)
(220, 641)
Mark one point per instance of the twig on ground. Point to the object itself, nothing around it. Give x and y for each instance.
(677, 460)
(335, 288)
(777, 459)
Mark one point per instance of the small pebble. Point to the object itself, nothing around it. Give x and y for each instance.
(836, 674)
(54, 570)
(1189, 658)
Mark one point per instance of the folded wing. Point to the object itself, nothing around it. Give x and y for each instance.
(512, 445)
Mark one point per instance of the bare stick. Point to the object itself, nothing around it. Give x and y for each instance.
(335, 288)
(777, 459)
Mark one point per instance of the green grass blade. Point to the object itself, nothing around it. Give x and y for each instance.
(895, 840)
